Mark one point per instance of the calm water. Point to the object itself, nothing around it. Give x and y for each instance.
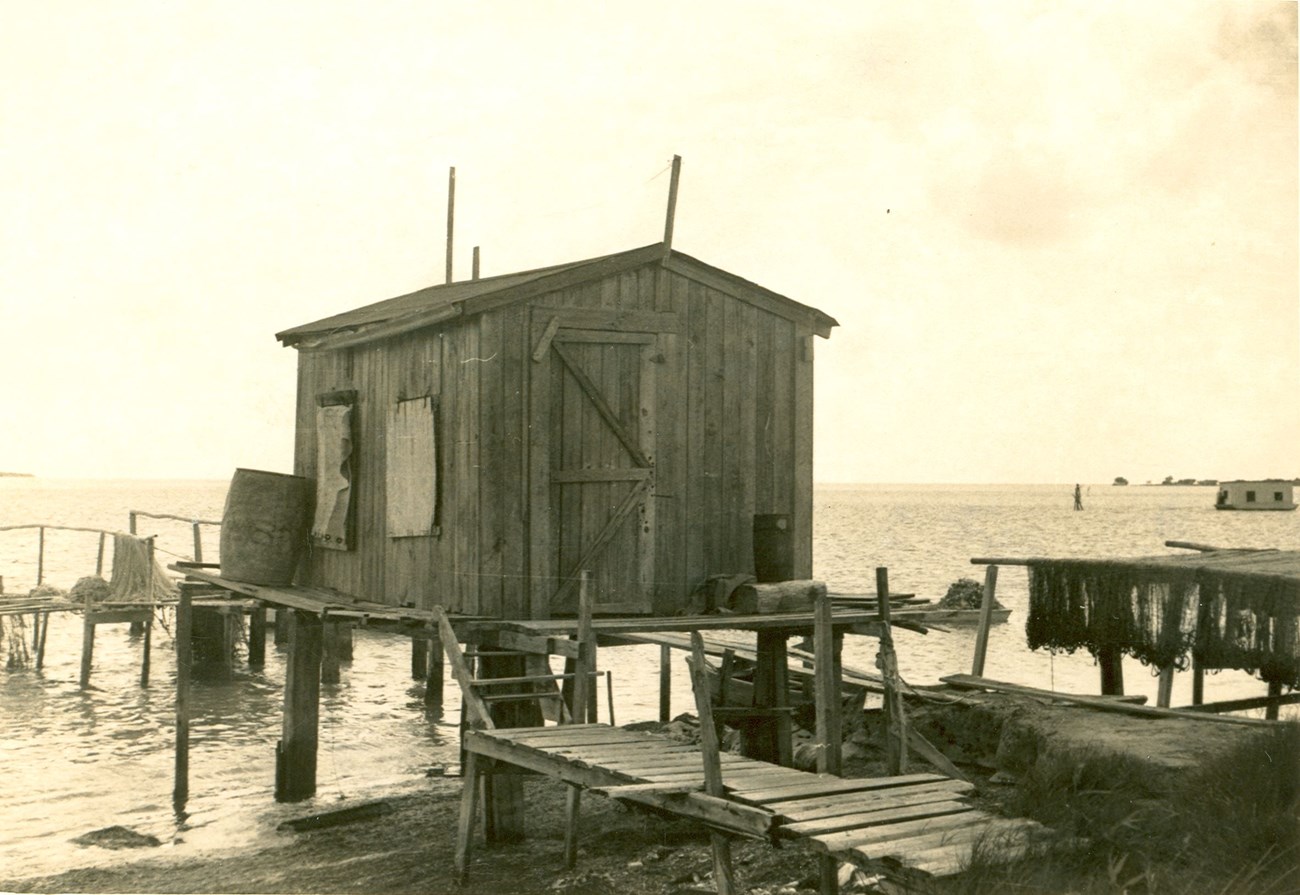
(75, 762)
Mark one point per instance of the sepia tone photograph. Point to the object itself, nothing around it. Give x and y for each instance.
(750, 448)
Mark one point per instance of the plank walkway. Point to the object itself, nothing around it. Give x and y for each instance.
(915, 823)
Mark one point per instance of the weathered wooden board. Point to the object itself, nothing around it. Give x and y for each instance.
(822, 785)
(850, 803)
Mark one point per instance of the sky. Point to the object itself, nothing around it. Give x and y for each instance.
(1060, 238)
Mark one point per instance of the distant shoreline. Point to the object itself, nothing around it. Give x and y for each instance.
(17, 475)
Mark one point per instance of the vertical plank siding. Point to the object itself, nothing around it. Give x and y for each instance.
(722, 407)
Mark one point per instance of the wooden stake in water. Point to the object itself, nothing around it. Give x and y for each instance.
(987, 603)
(184, 661)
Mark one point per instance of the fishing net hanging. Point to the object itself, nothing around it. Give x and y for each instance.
(132, 570)
(1163, 614)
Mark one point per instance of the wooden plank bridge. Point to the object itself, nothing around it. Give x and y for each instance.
(912, 823)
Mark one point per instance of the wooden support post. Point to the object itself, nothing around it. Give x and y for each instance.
(87, 642)
(131, 522)
(434, 682)
(895, 717)
(665, 684)
(40, 643)
(586, 664)
(40, 556)
(1198, 682)
(1111, 662)
(198, 543)
(468, 809)
(329, 665)
(581, 710)
(828, 693)
(474, 268)
(283, 622)
(828, 689)
(771, 739)
(257, 636)
(296, 754)
(713, 784)
(1274, 692)
(148, 623)
(99, 558)
(184, 658)
(419, 658)
(345, 641)
(987, 602)
(1164, 692)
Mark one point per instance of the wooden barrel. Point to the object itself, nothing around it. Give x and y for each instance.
(773, 547)
(264, 526)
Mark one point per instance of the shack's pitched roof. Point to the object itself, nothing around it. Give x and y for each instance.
(438, 304)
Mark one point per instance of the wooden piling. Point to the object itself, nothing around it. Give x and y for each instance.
(99, 558)
(433, 685)
(40, 643)
(827, 678)
(329, 666)
(770, 739)
(40, 556)
(296, 752)
(586, 664)
(198, 542)
(1198, 682)
(257, 636)
(184, 659)
(87, 642)
(148, 623)
(665, 684)
(283, 622)
(1110, 661)
(419, 658)
(1274, 693)
(1165, 689)
(987, 602)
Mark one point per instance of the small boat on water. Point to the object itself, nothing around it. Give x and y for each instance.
(1262, 494)
(940, 616)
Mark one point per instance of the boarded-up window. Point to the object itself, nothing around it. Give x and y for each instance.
(412, 469)
(334, 473)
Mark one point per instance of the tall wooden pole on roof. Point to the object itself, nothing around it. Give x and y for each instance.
(474, 270)
(672, 206)
(451, 215)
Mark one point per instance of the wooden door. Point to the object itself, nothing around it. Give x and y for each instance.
(593, 508)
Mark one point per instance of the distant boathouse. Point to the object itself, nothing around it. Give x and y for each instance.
(1266, 494)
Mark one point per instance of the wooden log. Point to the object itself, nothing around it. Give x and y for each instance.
(777, 596)
(296, 756)
(1101, 703)
(987, 602)
(99, 558)
(337, 818)
(712, 766)
(40, 557)
(184, 658)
